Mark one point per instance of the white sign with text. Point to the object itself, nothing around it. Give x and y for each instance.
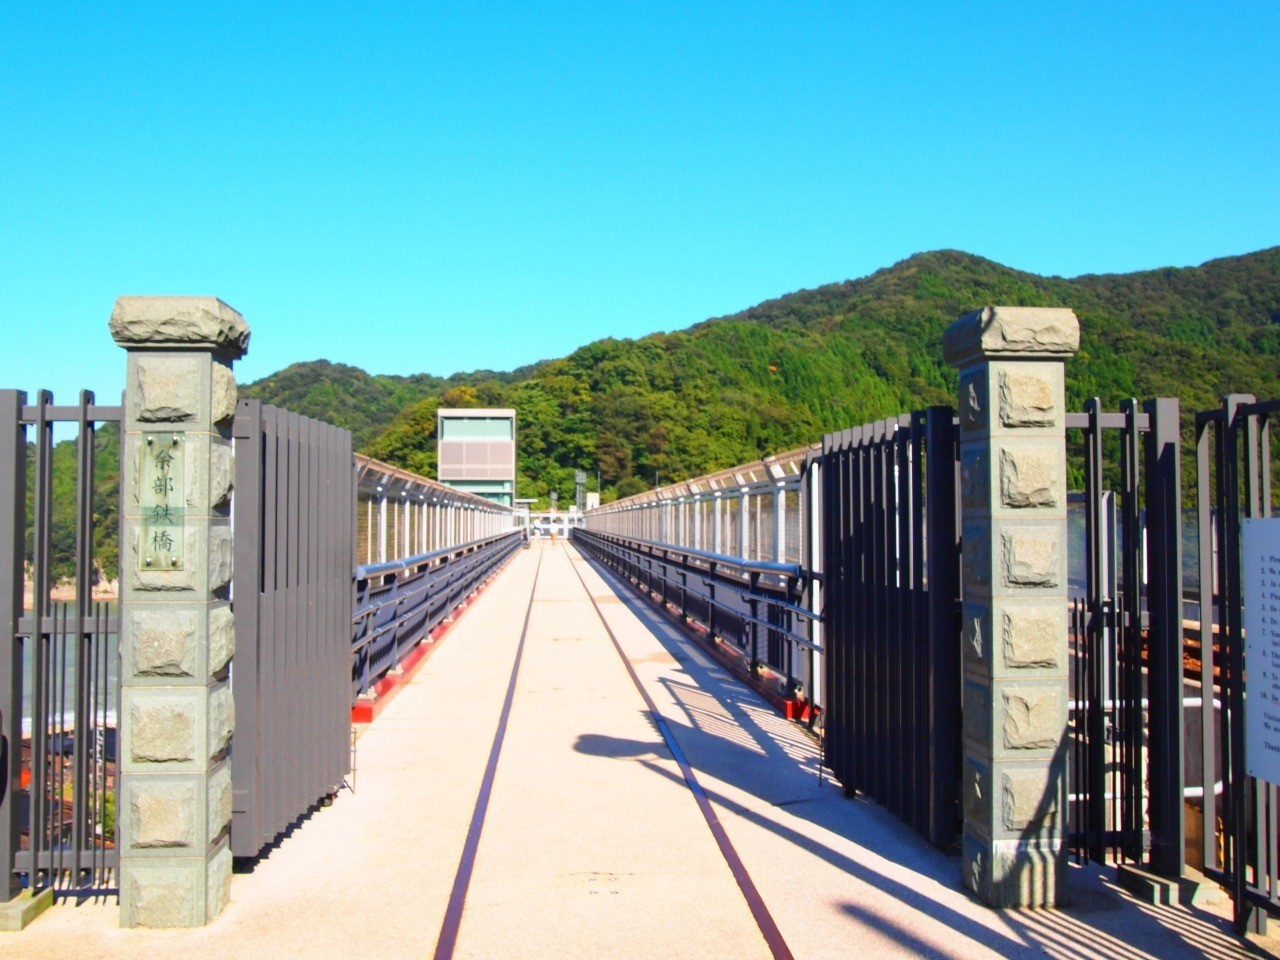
(1260, 572)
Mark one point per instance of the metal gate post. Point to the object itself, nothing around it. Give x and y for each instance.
(13, 498)
(1164, 665)
(1014, 563)
(177, 633)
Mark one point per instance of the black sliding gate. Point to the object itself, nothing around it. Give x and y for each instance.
(1125, 724)
(1235, 463)
(59, 660)
(294, 522)
(891, 518)
(891, 619)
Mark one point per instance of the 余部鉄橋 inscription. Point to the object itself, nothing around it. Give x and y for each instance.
(163, 498)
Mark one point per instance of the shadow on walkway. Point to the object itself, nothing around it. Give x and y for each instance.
(733, 738)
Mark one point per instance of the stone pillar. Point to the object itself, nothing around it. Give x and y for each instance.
(1014, 499)
(177, 632)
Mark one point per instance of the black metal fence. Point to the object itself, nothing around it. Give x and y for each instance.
(1126, 720)
(756, 606)
(892, 622)
(399, 603)
(59, 671)
(294, 524)
(1235, 462)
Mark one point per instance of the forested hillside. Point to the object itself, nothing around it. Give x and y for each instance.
(778, 375)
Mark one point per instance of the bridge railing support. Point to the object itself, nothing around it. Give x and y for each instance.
(1014, 572)
(177, 632)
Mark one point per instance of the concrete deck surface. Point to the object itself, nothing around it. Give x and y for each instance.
(593, 845)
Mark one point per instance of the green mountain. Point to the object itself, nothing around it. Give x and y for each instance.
(361, 402)
(778, 375)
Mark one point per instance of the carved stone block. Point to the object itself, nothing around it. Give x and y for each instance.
(1031, 557)
(163, 729)
(1032, 637)
(975, 478)
(168, 389)
(164, 896)
(1028, 797)
(221, 474)
(976, 791)
(974, 630)
(1030, 476)
(222, 719)
(163, 643)
(1015, 332)
(219, 557)
(162, 815)
(1015, 873)
(1032, 718)
(222, 637)
(1028, 399)
(220, 798)
(224, 394)
(218, 884)
(976, 713)
(179, 322)
(975, 561)
(973, 400)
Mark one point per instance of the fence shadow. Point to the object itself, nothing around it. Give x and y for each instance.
(766, 771)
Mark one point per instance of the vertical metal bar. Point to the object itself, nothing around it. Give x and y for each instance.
(831, 586)
(42, 686)
(80, 831)
(1131, 785)
(885, 675)
(382, 527)
(58, 643)
(274, 642)
(249, 582)
(779, 523)
(289, 755)
(13, 498)
(814, 599)
(1257, 818)
(849, 550)
(1095, 724)
(1164, 660)
(1233, 668)
(306, 681)
(904, 695)
(344, 595)
(942, 563)
(1205, 542)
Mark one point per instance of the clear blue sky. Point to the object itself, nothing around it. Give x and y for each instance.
(432, 187)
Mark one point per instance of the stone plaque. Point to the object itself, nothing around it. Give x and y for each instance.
(162, 495)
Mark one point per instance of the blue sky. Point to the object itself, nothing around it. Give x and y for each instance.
(429, 187)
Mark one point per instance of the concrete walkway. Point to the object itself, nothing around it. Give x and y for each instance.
(593, 844)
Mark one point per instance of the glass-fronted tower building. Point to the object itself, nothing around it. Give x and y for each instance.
(477, 452)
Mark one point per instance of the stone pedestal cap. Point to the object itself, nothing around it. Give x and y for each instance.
(1014, 333)
(180, 323)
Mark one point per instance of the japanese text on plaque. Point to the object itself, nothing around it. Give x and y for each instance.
(163, 497)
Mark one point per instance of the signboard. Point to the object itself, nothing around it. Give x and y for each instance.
(1260, 571)
(162, 494)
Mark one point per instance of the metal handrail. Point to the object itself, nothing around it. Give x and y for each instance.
(369, 571)
(793, 570)
(395, 614)
(622, 544)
